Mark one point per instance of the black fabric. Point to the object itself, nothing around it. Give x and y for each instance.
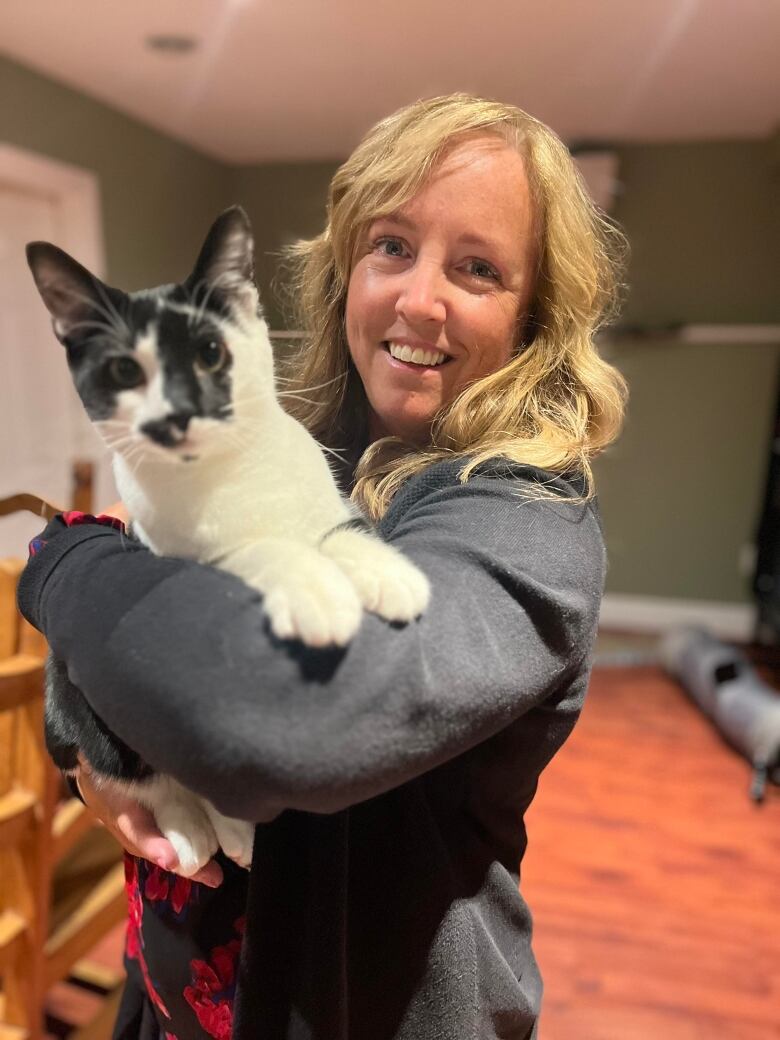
(135, 1019)
(389, 779)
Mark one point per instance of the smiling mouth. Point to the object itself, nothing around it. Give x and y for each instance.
(415, 357)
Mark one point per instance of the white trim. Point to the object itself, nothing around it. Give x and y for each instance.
(655, 614)
(76, 189)
(75, 193)
(707, 335)
(713, 334)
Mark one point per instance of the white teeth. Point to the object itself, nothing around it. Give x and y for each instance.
(416, 356)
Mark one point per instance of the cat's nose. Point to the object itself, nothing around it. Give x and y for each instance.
(180, 419)
(167, 431)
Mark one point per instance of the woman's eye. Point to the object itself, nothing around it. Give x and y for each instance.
(211, 356)
(482, 269)
(390, 247)
(125, 373)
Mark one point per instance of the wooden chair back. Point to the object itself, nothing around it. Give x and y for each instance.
(42, 834)
(27, 797)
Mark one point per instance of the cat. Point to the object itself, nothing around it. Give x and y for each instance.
(179, 381)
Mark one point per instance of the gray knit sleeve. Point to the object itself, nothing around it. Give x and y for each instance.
(190, 677)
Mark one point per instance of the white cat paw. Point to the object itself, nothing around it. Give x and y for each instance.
(386, 582)
(190, 832)
(236, 839)
(305, 595)
(321, 609)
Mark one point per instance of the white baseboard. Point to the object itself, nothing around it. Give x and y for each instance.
(654, 614)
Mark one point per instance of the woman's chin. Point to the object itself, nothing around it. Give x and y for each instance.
(412, 429)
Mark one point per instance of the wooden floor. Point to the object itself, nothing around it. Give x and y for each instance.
(655, 883)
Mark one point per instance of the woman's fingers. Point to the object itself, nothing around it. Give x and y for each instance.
(138, 832)
(119, 510)
(134, 827)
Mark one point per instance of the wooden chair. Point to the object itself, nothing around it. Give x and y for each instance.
(26, 812)
(50, 847)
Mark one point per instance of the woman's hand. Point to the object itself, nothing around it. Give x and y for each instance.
(134, 827)
(119, 510)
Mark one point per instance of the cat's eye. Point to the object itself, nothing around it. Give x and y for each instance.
(211, 356)
(125, 372)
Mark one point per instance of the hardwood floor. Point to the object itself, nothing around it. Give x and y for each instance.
(653, 879)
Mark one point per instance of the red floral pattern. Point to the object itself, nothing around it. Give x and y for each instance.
(135, 940)
(210, 995)
(213, 986)
(170, 890)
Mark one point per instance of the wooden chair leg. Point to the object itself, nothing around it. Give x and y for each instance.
(102, 1024)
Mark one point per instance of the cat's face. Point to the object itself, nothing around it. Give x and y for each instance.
(176, 373)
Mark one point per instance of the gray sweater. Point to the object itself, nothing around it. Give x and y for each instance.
(389, 779)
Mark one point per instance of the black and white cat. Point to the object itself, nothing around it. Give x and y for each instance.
(179, 381)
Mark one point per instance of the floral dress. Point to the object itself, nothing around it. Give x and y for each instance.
(183, 944)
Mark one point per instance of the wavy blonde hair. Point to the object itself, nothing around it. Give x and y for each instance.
(556, 403)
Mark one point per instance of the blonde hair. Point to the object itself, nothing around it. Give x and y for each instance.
(556, 403)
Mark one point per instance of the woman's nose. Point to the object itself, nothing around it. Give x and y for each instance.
(423, 295)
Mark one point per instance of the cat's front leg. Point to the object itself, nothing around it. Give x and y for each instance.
(180, 816)
(305, 595)
(386, 581)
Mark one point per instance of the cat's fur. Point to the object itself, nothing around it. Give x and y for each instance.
(210, 467)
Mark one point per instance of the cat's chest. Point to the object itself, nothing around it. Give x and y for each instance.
(202, 526)
(208, 518)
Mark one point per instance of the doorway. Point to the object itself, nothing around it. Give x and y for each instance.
(43, 429)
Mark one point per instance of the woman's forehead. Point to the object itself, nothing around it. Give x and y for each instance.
(479, 190)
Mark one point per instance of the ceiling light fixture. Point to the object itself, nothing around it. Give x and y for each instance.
(171, 43)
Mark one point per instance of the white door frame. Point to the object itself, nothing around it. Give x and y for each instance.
(77, 192)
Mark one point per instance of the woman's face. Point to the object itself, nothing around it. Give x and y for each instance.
(444, 282)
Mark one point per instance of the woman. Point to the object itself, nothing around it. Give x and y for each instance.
(450, 306)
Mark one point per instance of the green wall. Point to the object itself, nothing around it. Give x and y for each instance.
(681, 490)
(704, 225)
(285, 201)
(158, 196)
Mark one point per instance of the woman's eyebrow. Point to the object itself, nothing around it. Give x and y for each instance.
(397, 218)
(477, 240)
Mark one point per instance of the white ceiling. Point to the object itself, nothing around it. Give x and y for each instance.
(302, 79)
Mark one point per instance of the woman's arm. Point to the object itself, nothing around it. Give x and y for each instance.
(177, 658)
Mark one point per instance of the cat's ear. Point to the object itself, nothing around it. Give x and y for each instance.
(72, 295)
(227, 261)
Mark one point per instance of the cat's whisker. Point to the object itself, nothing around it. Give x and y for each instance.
(310, 389)
(102, 423)
(138, 455)
(125, 446)
(337, 453)
(110, 330)
(121, 445)
(240, 402)
(297, 397)
(113, 319)
(120, 318)
(214, 284)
